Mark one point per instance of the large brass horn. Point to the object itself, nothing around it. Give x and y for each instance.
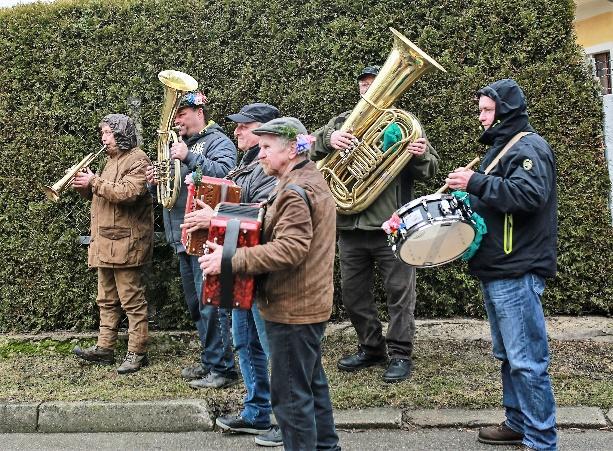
(54, 191)
(176, 84)
(357, 176)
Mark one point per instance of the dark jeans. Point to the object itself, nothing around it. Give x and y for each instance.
(359, 251)
(213, 324)
(299, 387)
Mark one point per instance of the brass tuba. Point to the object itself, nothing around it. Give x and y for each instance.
(53, 192)
(358, 175)
(176, 84)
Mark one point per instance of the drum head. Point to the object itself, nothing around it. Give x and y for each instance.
(436, 243)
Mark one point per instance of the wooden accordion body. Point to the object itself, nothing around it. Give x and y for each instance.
(211, 191)
(234, 226)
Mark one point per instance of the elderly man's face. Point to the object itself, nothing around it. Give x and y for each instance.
(191, 120)
(364, 83)
(487, 111)
(244, 137)
(275, 155)
(108, 138)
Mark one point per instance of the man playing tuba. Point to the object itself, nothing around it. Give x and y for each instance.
(362, 243)
(206, 146)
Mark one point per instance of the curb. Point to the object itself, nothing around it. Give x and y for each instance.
(193, 415)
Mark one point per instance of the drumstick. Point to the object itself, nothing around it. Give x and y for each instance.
(444, 188)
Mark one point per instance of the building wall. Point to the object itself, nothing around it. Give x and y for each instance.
(595, 30)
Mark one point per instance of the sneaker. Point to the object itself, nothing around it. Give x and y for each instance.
(96, 354)
(500, 435)
(272, 438)
(133, 362)
(214, 380)
(398, 370)
(197, 371)
(236, 423)
(360, 360)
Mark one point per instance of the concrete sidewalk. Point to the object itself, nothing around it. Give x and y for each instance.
(194, 415)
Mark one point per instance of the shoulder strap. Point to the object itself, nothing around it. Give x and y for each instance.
(301, 192)
(510, 144)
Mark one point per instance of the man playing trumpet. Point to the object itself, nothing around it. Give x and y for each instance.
(121, 242)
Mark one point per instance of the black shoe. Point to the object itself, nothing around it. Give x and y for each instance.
(236, 423)
(96, 354)
(272, 438)
(500, 435)
(359, 360)
(398, 370)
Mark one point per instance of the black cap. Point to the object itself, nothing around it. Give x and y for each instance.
(289, 127)
(255, 112)
(369, 70)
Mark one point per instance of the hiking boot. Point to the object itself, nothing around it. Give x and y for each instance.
(214, 380)
(500, 435)
(398, 370)
(197, 371)
(236, 423)
(359, 360)
(96, 354)
(133, 362)
(271, 438)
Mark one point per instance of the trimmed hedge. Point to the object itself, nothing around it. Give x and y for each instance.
(67, 64)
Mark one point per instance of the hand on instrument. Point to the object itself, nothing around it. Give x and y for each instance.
(210, 263)
(342, 140)
(151, 175)
(199, 219)
(418, 147)
(82, 179)
(179, 150)
(459, 178)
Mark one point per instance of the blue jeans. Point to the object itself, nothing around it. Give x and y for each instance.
(251, 345)
(213, 324)
(299, 387)
(519, 340)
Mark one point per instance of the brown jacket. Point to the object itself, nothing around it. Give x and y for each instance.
(299, 251)
(121, 213)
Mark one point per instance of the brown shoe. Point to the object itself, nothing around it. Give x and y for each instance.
(96, 354)
(133, 362)
(500, 435)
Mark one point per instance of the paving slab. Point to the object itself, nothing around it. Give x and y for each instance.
(387, 418)
(143, 416)
(21, 417)
(610, 415)
(445, 418)
(580, 417)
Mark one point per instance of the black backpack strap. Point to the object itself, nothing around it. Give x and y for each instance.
(229, 249)
(301, 192)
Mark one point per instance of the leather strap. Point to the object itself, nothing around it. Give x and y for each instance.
(510, 144)
(226, 277)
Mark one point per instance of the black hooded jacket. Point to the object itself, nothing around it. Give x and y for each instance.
(518, 198)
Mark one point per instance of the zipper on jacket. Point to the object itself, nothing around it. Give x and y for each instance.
(508, 233)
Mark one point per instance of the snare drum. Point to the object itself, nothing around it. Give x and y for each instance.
(436, 230)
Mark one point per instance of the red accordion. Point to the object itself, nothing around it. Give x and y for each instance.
(234, 226)
(211, 191)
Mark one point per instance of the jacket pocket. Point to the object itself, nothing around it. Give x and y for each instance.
(114, 244)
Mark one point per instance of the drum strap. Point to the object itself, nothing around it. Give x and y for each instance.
(506, 148)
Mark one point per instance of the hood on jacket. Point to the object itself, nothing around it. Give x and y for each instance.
(511, 116)
(210, 128)
(124, 130)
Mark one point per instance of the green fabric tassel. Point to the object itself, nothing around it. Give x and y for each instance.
(478, 224)
(391, 136)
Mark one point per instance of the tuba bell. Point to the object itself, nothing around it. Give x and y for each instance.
(176, 84)
(54, 191)
(357, 176)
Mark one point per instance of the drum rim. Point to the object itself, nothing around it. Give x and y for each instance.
(419, 201)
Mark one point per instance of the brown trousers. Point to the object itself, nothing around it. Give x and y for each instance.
(122, 288)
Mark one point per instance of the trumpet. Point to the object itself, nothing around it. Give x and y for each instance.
(53, 192)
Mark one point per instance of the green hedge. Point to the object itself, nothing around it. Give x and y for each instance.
(66, 64)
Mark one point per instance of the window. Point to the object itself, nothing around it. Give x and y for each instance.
(602, 66)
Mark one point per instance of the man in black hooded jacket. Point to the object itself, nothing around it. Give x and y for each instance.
(518, 200)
